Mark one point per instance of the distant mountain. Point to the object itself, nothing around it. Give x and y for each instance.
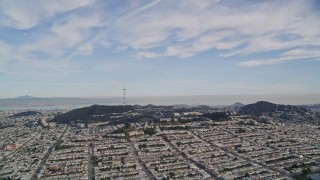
(266, 107)
(88, 114)
(29, 102)
(27, 113)
(25, 97)
(237, 105)
(311, 106)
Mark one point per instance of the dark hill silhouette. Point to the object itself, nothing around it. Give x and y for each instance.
(25, 97)
(266, 107)
(84, 114)
(27, 113)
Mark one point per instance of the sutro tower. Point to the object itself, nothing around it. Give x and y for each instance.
(124, 98)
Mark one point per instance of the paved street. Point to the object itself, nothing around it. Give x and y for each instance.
(91, 162)
(17, 150)
(199, 165)
(46, 156)
(144, 168)
(235, 154)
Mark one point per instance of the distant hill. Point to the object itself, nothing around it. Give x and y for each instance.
(311, 106)
(25, 97)
(87, 113)
(237, 105)
(217, 116)
(266, 107)
(27, 113)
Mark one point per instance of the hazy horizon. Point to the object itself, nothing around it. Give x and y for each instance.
(84, 48)
(211, 100)
(70, 54)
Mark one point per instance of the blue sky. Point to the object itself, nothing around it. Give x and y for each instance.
(90, 48)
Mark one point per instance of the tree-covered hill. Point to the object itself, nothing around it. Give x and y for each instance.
(83, 114)
(266, 107)
(27, 113)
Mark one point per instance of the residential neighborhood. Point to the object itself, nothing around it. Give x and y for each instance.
(182, 145)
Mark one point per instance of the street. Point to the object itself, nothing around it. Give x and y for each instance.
(90, 162)
(199, 165)
(144, 167)
(46, 156)
(235, 154)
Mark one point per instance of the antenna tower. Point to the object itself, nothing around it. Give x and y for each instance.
(124, 98)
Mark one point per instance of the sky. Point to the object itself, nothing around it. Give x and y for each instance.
(91, 48)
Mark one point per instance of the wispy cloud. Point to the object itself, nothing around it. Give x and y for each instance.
(296, 54)
(236, 85)
(105, 39)
(168, 28)
(27, 14)
(265, 88)
(192, 28)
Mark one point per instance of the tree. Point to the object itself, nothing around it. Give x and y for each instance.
(306, 171)
(241, 130)
(171, 174)
(149, 131)
(237, 146)
(142, 146)
(217, 116)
